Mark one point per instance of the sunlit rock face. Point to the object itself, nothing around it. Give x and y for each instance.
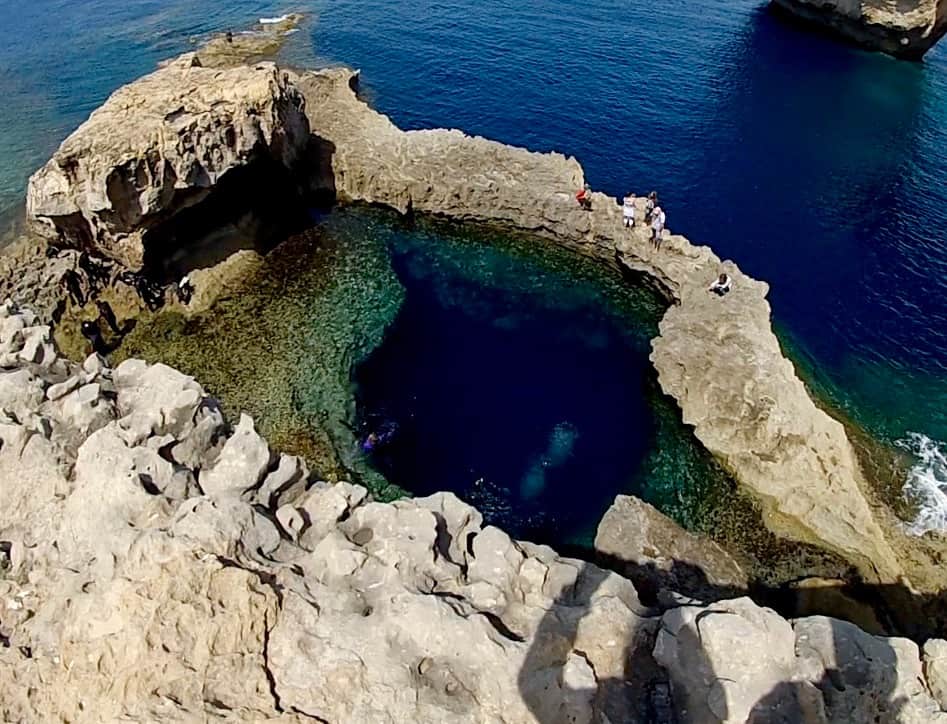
(159, 146)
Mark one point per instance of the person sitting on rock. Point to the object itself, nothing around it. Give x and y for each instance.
(628, 211)
(584, 197)
(721, 285)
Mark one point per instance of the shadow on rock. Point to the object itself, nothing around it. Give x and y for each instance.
(728, 661)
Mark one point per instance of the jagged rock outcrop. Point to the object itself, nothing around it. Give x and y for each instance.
(160, 145)
(654, 552)
(718, 357)
(811, 670)
(903, 29)
(157, 564)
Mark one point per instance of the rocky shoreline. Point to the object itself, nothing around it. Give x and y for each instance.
(138, 526)
(129, 197)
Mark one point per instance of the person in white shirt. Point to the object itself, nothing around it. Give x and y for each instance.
(657, 226)
(628, 211)
(721, 285)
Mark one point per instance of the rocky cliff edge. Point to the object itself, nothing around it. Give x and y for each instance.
(157, 562)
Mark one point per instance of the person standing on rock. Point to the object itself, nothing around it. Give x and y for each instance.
(657, 226)
(628, 211)
(92, 332)
(649, 205)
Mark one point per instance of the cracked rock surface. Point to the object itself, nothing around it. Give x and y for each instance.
(159, 563)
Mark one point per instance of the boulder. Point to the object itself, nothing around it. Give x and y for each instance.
(656, 553)
(862, 677)
(710, 680)
(160, 145)
(242, 463)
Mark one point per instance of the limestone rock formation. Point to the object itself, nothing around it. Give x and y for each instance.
(655, 552)
(132, 589)
(163, 142)
(160, 145)
(904, 29)
(811, 670)
(718, 357)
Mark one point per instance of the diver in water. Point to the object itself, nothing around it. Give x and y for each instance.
(379, 437)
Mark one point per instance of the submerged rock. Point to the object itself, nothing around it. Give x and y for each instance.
(158, 146)
(904, 29)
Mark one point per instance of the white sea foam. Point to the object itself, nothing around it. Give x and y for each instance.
(275, 21)
(926, 485)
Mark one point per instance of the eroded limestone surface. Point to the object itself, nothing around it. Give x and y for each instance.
(718, 357)
(158, 563)
(159, 145)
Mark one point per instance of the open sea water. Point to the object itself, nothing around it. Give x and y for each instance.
(819, 168)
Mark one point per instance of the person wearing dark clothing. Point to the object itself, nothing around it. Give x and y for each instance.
(91, 331)
(97, 272)
(72, 283)
(185, 290)
(721, 285)
(105, 310)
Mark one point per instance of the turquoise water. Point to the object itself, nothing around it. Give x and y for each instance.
(819, 168)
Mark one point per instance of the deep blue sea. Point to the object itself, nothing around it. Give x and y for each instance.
(819, 168)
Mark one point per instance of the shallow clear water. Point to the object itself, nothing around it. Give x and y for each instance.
(819, 168)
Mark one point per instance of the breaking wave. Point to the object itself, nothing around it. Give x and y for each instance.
(275, 21)
(926, 484)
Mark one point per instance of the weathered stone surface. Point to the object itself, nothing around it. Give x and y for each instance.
(653, 551)
(864, 677)
(128, 594)
(718, 357)
(904, 29)
(710, 680)
(158, 146)
(243, 461)
(935, 669)
(736, 662)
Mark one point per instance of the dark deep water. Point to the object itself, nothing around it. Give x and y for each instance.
(500, 382)
(819, 168)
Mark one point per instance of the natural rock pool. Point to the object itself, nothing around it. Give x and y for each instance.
(508, 370)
